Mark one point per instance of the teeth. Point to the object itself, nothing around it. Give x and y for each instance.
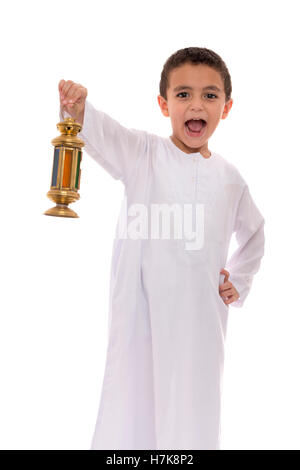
(194, 119)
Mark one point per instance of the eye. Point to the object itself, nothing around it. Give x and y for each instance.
(210, 95)
(183, 92)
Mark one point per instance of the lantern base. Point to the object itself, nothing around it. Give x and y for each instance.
(62, 198)
(61, 210)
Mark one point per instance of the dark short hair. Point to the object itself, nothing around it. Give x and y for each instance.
(195, 55)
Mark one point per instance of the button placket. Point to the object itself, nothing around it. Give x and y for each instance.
(195, 177)
(205, 188)
(196, 255)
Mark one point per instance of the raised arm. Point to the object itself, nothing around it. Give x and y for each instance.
(116, 148)
(249, 232)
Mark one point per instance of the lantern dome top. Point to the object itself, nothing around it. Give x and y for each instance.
(69, 126)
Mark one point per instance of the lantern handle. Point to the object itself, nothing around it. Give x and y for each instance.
(62, 112)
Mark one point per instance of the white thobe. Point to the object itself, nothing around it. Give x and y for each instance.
(162, 382)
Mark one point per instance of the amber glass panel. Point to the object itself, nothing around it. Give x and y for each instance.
(66, 180)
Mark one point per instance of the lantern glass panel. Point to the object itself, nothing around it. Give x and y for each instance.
(77, 182)
(66, 179)
(55, 166)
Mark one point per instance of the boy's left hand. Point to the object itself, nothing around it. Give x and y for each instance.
(227, 290)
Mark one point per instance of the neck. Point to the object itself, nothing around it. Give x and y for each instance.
(205, 152)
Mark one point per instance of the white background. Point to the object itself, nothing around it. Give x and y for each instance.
(55, 271)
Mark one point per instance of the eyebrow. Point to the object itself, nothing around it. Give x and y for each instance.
(209, 87)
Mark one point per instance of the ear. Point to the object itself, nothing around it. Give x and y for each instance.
(227, 108)
(163, 104)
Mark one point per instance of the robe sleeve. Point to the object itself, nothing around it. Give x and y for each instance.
(249, 233)
(114, 147)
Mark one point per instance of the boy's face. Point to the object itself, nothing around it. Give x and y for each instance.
(198, 101)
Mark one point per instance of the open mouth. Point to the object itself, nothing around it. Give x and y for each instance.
(195, 127)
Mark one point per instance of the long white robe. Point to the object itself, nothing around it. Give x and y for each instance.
(162, 383)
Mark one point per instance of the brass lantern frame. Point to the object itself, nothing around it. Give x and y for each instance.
(66, 172)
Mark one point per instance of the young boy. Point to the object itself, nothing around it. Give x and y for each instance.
(168, 312)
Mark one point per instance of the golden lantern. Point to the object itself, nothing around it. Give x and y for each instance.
(66, 172)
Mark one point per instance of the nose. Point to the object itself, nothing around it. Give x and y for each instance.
(197, 104)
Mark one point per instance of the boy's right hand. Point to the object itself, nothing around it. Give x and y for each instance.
(72, 97)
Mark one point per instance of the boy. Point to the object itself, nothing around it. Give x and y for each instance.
(168, 314)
